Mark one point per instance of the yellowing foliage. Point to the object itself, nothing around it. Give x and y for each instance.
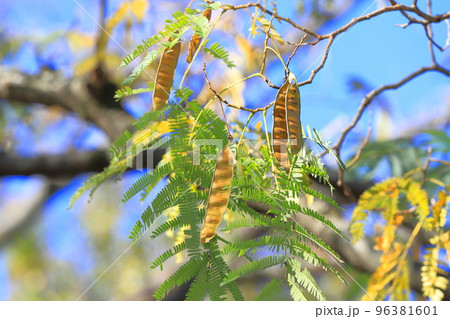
(139, 8)
(434, 280)
(397, 199)
(265, 27)
(384, 198)
(86, 65)
(391, 279)
(163, 127)
(439, 211)
(384, 275)
(79, 40)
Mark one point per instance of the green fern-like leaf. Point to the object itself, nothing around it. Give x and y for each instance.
(305, 279)
(272, 243)
(190, 212)
(216, 291)
(319, 195)
(253, 266)
(147, 180)
(94, 182)
(127, 91)
(295, 207)
(241, 223)
(303, 234)
(145, 120)
(185, 273)
(165, 199)
(270, 291)
(217, 51)
(115, 149)
(168, 225)
(296, 292)
(149, 58)
(200, 26)
(183, 93)
(181, 21)
(317, 138)
(167, 254)
(213, 5)
(199, 287)
(220, 263)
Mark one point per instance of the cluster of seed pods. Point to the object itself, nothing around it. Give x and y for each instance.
(286, 132)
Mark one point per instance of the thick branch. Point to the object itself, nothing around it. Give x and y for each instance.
(69, 164)
(66, 165)
(50, 88)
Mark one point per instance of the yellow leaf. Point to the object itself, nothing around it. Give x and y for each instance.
(273, 33)
(309, 199)
(142, 137)
(78, 40)
(163, 127)
(253, 29)
(139, 8)
(88, 64)
(117, 17)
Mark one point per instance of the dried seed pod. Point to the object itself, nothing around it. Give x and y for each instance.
(195, 40)
(279, 130)
(164, 76)
(293, 107)
(219, 195)
(286, 122)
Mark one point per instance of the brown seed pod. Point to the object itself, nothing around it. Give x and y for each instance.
(219, 195)
(164, 76)
(286, 123)
(195, 40)
(293, 107)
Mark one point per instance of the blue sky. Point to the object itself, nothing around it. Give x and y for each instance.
(377, 51)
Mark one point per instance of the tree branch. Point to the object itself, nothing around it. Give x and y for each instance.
(68, 164)
(65, 165)
(51, 88)
(366, 102)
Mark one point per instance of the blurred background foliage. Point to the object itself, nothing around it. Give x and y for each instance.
(50, 253)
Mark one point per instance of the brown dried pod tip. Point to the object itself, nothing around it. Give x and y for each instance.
(164, 76)
(219, 195)
(286, 122)
(195, 40)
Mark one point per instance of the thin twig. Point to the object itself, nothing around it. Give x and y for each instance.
(263, 65)
(425, 166)
(435, 160)
(364, 104)
(295, 50)
(374, 93)
(228, 103)
(363, 144)
(266, 42)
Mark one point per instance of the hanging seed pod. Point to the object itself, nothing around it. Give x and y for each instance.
(293, 107)
(286, 122)
(195, 40)
(219, 195)
(279, 130)
(164, 76)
